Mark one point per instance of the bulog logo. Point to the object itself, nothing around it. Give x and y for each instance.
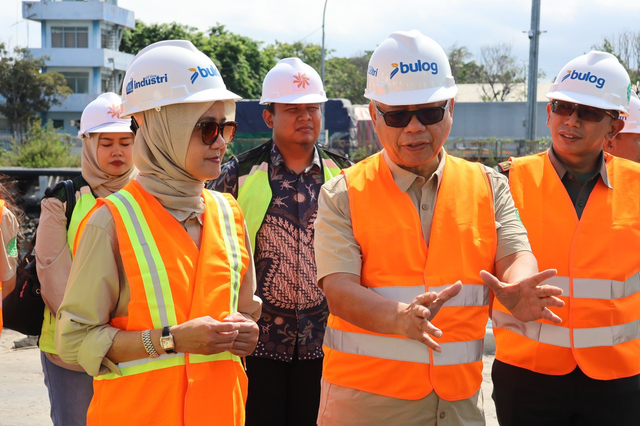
(419, 66)
(588, 77)
(210, 71)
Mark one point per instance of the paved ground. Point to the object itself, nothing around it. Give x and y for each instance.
(24, 400)
(23, 396)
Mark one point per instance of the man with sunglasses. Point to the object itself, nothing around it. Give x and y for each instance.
(582, 212)
(277, 185)
(403, 236)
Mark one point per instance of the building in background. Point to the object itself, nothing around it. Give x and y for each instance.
(81, 39)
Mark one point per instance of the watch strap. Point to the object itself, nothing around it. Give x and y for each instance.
(165, 339)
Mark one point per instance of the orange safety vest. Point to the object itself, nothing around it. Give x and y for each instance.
(397, 264)
(171, 282)
(597, 261)
(1, 213)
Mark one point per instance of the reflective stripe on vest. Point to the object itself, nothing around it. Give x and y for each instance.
(225, 215)
(83, 206)
(254, 194)
(594, 288)
(156, 281)
(154, 274)
(470, 295)
(560, 336)
(398, 349)
(145, 365)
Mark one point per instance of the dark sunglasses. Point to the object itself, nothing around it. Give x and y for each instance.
(585, 113)
(426, 116)
(211, 130)
(134, 125)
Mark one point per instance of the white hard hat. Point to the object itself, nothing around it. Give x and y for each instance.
(409, 68)
(632, 121)
(596, 79)
(102, 115)
(292, 81)
(171, 72)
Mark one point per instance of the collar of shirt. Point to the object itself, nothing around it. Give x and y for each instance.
(404, 178)
(277, 160)
(562, 170)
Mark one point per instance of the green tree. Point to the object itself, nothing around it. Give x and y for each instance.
(242, 64)
(347, 77)
(626, 47)
(463, 71)
(309, 53)
(26, 89)
(43, 148)
(143, 35)
(500, 72)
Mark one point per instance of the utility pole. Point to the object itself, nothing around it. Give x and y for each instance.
(532, 87)
(322, 132)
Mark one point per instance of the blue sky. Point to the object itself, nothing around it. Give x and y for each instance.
(353, 26)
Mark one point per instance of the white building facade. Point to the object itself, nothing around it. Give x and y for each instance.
(82, 40)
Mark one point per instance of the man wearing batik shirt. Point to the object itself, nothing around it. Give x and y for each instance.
(277, 185)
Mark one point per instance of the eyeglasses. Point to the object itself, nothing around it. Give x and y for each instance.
(426, 116)
(134, 125)
(211, 130)
(585, 113)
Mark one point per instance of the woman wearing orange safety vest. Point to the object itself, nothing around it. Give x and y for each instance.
(9, 229)
(160, 302)
(107, 166)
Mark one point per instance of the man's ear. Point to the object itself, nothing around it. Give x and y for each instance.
(616, 127)
(609, 145)
(268, 118)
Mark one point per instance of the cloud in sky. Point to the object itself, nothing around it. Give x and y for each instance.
(353, 26)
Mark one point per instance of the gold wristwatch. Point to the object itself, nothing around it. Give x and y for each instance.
(167, 342)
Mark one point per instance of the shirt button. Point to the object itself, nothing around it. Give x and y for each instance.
(425, 207)
(443, 414)
(420, 179)
(581, 203)
(570, 176)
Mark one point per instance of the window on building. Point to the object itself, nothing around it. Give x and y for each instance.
(69, 37)
(106, 83)
(75, 123)
(58, 124)
(108, 37)
(77, 81)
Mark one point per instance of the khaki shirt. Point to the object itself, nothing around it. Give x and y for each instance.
(98, 291)
(337, 251)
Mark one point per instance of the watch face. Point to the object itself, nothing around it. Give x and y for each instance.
(167, 343)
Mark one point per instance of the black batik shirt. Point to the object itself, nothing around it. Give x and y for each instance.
(294, 310)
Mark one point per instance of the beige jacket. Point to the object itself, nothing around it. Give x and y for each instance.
(53, 258)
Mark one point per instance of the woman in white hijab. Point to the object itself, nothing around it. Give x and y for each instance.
(160, 302)
(107, 166)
